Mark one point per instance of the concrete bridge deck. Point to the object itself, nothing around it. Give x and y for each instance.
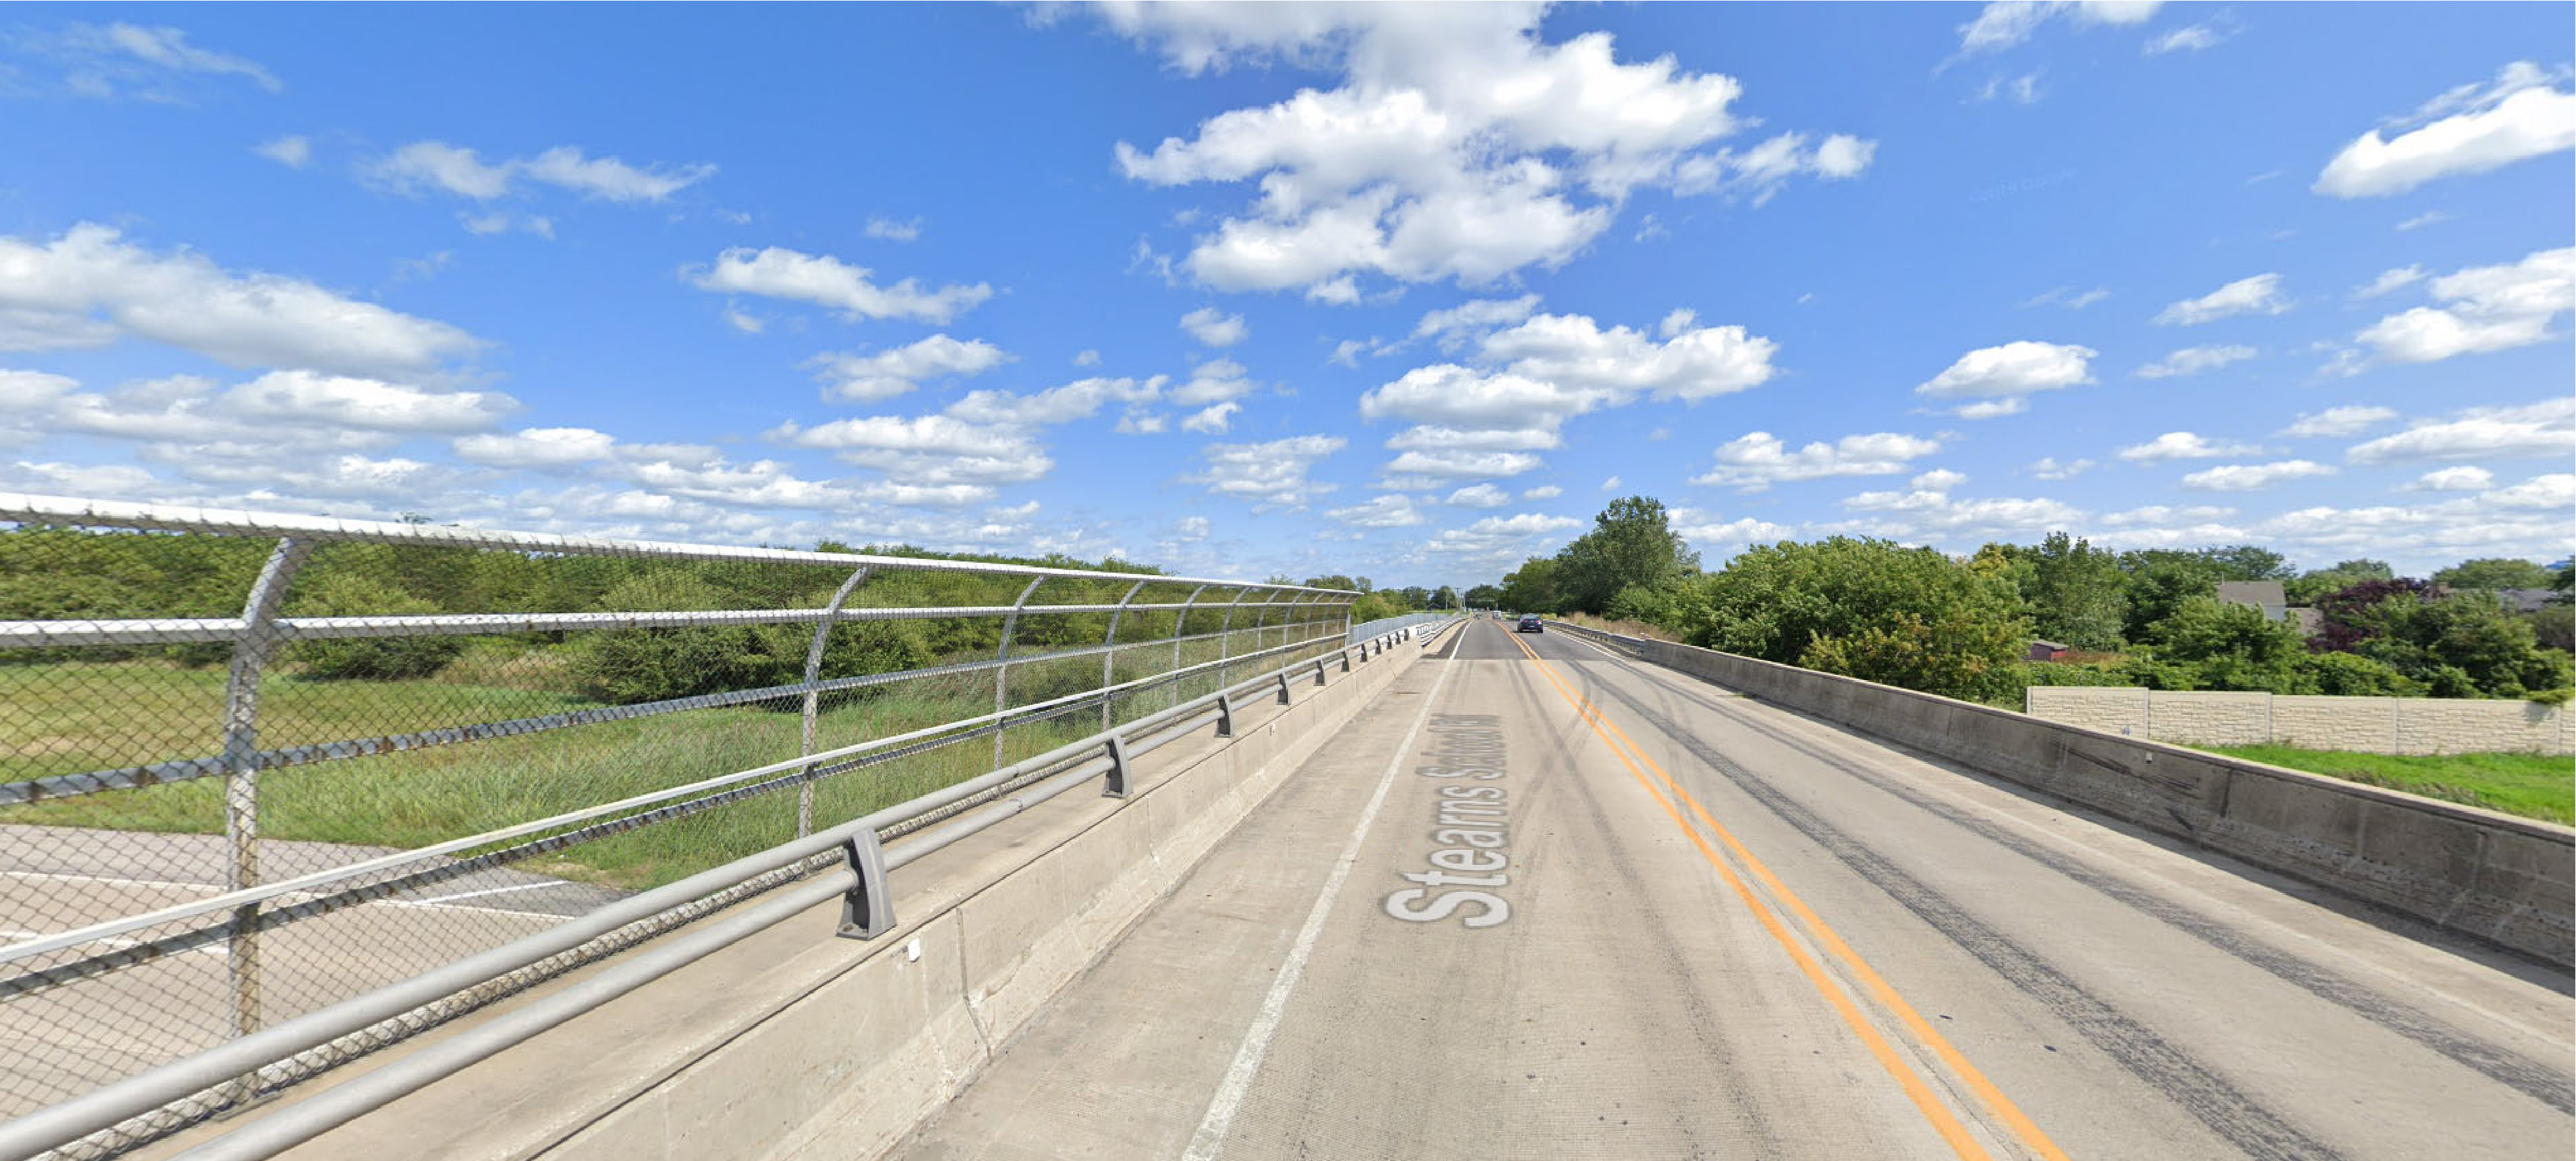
(1538, 901)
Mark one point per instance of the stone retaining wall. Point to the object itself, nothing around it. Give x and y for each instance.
(2374, 725)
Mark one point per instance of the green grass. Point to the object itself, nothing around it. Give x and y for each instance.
(2533, 785)
(58, 719)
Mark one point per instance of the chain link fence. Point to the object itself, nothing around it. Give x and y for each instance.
(252, 766)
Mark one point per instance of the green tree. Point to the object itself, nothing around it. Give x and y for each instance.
(1632, 542)
(2464, 644)
(2554, 625)
(2076, 593)
(2246, 562)
(1444, 598)
(1532, 588)
(1374, 607)
(1485, 596)
(1869, 608)
(2495, 572)
(2159, 581)
(2315, 583)
(2209, 644)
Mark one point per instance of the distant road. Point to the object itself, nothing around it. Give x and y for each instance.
(1540, 902)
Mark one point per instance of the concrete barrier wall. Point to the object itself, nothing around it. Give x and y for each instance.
(2376, 725)
(797, 1045)
(2497, 877)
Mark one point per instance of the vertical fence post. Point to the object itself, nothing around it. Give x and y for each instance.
(814, 696)
(241, 781)
(1002, 672)
(1301, 612)
(1109, 660)
(1180, 629)
(1225, 635)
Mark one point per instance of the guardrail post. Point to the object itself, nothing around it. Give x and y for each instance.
(241, 782)
(1346, 660)
(1225, 715)
(1109, 659)
(1319, 671)
(1002, 671)
(1283, 689)
(1180, 628)
(1116, 786)
(867, 908)
(814, 696)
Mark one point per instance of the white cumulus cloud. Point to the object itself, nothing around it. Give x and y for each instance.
(2334, 421)
(826, 281)
(1999, 379)
(1456, 144)
(2527, 112)
(886, 374)
(91, 286)
(2480, 309)
(2184, 445)
(2479, 433)
(2249, 477)
(2260, 294)
(1215, 328)
(1757, 460)
(2194, 360)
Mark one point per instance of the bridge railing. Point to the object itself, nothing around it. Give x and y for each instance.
(1385, 625)
(254, 766)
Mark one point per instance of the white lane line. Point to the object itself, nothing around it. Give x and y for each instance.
(1209, 1141)
(440, 903)
(492, 891)
(114, 881)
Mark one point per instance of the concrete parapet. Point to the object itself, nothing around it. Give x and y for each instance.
(2497, 877)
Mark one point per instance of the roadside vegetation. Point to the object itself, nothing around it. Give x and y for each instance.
(2533, 785)
(74, 710)
(1962, 627)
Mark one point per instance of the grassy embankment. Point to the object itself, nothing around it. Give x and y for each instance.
(2533, 785)
(59, 720)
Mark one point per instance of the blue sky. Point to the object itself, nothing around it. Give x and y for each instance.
(1385, 291)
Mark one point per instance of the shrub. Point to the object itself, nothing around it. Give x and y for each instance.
(345, 594)
(626, 666)
(1866, 608)
(2347, 675)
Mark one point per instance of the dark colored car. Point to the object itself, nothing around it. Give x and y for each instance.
(1530, 624)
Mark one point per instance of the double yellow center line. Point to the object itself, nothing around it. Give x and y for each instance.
(1917, 1090)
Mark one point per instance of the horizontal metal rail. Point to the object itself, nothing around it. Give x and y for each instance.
(106, 1107)
(310, 884)
(196, 630)
(216, 766)
(23, 508)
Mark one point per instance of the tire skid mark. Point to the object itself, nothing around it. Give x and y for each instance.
(1669, 959)
(2206, 1095)
(2522, 1074)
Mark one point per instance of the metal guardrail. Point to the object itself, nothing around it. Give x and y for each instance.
(1385, 625)
(847, 862)
(426, 742)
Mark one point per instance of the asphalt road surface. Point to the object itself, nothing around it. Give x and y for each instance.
(1541, 902)
(67, 1040)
